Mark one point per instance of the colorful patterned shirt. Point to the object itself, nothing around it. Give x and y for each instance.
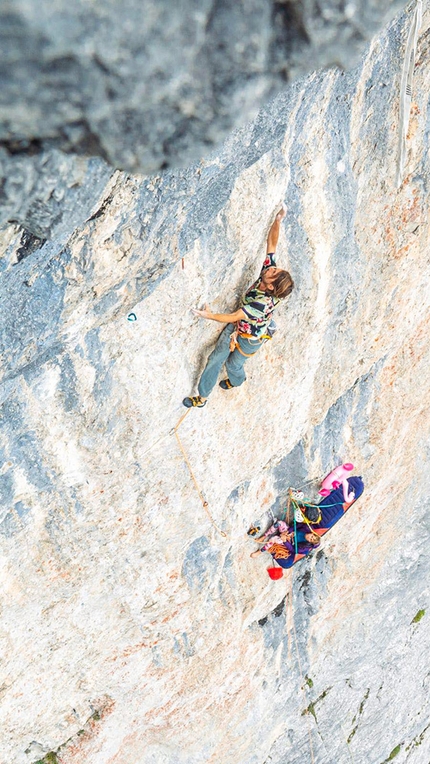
(258, 305)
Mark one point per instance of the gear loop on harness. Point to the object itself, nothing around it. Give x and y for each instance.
(234, 344)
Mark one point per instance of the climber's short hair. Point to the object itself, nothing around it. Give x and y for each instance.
(282, 284)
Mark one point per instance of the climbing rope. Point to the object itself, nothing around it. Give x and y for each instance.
(295, 528)
(155, 443)
(287, 509)
(179, 422)
(193, 477)
(296, 506)
(307, 503)
(174, 431)
(312, 480)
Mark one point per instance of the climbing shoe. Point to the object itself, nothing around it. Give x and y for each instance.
(226, 384)
(195, 401)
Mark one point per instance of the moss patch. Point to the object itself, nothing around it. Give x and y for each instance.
(360, 710)
(311, 707)
(418, 739)
(357, 716)
(351, 734)
(310, 710)
(393, 754)
(50, 758)
(418, 616)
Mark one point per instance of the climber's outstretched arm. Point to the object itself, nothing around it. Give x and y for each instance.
(223, 318)
(272, 239)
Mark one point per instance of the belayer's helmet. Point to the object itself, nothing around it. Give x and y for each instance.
(313, 514)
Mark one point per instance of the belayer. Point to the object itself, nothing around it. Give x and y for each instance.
(279, 541)
(248, 327)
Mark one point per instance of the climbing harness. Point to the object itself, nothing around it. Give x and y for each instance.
(242, 352)
(406, 88)
(193, 477)
(234, 344)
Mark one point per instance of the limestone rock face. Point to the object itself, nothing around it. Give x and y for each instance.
(134, 625)
(155, 84)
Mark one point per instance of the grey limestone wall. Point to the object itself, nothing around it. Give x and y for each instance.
(135, 627)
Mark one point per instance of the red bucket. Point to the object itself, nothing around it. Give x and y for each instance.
(275, 573)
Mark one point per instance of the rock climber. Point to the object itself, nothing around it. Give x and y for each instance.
(239, 342)
(278, 540)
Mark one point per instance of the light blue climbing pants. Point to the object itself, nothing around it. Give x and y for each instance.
(234, 362)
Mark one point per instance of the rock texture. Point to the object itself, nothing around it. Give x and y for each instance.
(150, 85)
(132, 630)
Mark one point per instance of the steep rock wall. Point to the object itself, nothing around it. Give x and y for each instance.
(132, 629)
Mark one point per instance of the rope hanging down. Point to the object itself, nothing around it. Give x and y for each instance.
(174, 431)
(193, 477)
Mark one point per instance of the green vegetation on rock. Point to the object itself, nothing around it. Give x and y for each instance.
(311, 707)
(50, 758)
(393, 754)
(310, 710)
(356, 717)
